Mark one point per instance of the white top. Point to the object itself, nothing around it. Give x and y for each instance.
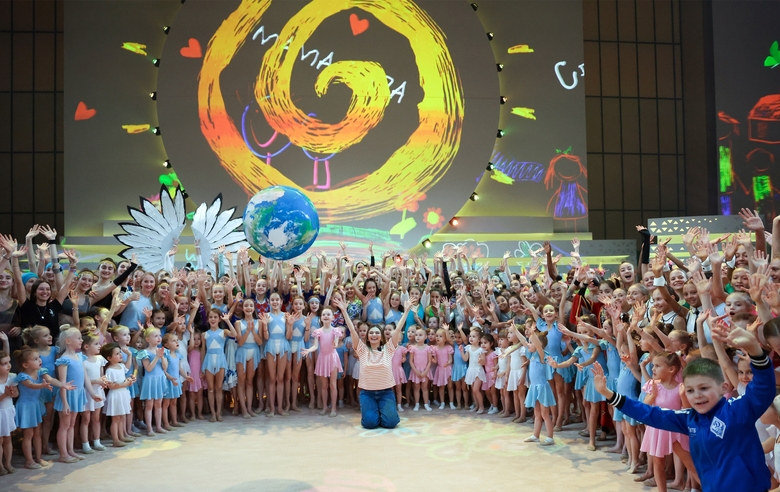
(93, 368)
(516, 359)
(474, 356)
(7, 403)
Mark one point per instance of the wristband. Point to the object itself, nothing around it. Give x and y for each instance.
(576, 283)
(659, 281)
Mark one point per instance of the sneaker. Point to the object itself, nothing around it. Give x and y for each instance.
(441, 407)
(417, 407)
(547, 442)
(427, 407)
(493, 411)
(473, 406)
(341, 403)
(140, 425)
(134, 430)
(400, 408)
(452, 406)
(531, 439)
(406, 405)
(435, 402)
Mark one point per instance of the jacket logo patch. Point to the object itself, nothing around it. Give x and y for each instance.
(718, 427)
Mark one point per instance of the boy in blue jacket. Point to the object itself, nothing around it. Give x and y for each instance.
(724, 442)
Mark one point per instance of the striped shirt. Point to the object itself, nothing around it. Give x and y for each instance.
(376, 369)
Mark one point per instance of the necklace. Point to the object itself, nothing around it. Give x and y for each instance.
(41, 313)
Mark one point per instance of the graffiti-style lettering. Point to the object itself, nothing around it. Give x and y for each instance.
(573, 74)
(324, 62)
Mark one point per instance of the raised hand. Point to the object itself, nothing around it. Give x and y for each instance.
(689, 237)
(736, 337)
(599, 379)
(49, 233)
(751, 220)
(34, 231)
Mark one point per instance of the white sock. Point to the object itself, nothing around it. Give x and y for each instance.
(85, 446)
(96, 443)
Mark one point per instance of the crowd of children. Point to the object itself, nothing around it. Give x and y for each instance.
(120, 351)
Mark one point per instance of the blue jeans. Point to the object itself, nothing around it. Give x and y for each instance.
(377, 409)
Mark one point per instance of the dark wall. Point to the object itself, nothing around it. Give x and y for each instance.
(31, 93)
(648, 90)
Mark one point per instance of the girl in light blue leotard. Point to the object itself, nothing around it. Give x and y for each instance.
(300, 333)
(277, 352)
(248, 355)
(214, 362)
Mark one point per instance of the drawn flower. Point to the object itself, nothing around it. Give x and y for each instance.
(433, 218)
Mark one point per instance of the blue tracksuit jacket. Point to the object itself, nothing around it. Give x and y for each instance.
(724, 442)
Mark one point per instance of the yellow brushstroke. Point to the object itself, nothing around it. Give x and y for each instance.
(524, 112)
(520, 48)
(137, 48)
(501, 177)
(135, 129)
(413, 168)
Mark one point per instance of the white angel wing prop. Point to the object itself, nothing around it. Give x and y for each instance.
(154, 231)
(213, 227)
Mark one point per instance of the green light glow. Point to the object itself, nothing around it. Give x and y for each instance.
(725, 168)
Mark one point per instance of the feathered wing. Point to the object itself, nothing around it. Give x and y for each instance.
(213, 227)
(155, 231)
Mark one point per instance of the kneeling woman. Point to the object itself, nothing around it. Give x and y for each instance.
(377, 401)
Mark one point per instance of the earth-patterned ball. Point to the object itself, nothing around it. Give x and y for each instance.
(281, 223)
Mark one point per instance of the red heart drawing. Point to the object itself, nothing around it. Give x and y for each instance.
(192, 50)
(358, 26)
(83, 113)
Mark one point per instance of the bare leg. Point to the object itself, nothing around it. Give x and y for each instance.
(310, 381)
(260, 383)
(659, 471)
(27, 445)
(281, 369)
(476, 390)
(148, 408)
(84, 427)
(295, 382)
(547, 417)
(242, 394)
(48, 421)
(219, 377)
(158, 413)
(333, 394)
(165, 406)
(210, 378)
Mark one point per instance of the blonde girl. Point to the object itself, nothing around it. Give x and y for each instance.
(39, 337)
(153, 386)
(70, 402)
(31, 381)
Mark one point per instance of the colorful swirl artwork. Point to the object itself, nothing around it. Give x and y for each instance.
(412, 169)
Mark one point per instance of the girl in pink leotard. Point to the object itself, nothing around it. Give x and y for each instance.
(664, 391)
(421, 363)
(488, 359)
(444, 356)
(328, 364)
